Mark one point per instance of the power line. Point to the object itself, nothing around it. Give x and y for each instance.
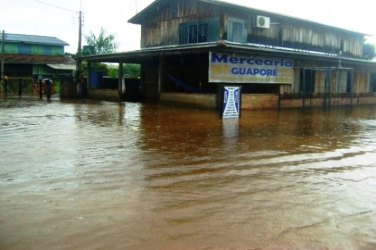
(55, 6)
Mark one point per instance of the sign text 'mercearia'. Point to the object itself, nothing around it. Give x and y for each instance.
(225, 58)
(241, 68)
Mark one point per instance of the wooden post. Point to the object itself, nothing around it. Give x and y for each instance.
(88, 80)
(20, 87)
(338, 81)
(40, 89)
(160, 75)
(121, 88)
(304, 88)
(5, 85)
(351, 86)
(327, 79)
(329, 89)
(48, 89)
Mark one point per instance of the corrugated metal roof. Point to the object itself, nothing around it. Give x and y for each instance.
(62, 66)
(32, 39)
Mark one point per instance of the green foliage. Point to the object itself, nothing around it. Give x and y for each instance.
(100, 44)
(113, 72)
(57, 86)
(132, 70)
(103, 44)
(368, 51)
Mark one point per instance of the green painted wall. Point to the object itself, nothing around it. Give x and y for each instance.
(27, 49)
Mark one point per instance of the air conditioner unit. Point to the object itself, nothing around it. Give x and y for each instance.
(263, 22)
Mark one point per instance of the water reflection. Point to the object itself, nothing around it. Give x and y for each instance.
(230, 132)
(99, 175)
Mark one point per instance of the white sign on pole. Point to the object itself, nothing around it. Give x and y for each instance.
(231, 102)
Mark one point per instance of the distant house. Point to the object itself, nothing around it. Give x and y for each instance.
(190, 48)
(37, 57)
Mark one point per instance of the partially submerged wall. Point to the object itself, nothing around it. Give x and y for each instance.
(264, 101)
(194, 100)
(104, 94)
(259, 101)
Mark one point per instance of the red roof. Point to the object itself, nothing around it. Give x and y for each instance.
(36, 59)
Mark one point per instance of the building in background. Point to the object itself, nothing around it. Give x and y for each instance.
(30, 58)
(191, 48)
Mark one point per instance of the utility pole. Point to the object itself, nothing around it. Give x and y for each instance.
(2, 61)
(78, 58)
(79, 42)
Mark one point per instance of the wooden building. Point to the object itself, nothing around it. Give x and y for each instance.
(189, 48)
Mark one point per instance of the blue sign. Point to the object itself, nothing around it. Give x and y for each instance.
(231, 102)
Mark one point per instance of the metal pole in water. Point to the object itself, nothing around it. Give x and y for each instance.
(2, 62)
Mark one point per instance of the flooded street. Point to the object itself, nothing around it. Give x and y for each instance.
(97, 175)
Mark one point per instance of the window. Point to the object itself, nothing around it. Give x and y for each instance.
(203, 32)
(199, 31)
(192, 35)
(47, 51)
(37, 50)
(236, 31)
(24, 49)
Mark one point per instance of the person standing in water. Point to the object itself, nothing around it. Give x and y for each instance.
(48, 88)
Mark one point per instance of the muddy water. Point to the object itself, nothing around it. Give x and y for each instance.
(90, 175)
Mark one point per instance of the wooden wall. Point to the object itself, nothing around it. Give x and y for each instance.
(163, 28)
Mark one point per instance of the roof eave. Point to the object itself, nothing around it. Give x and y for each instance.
(36, 43)
(295, 53)
(223, 46)
(137, 19)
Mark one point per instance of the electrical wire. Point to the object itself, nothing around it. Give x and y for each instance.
(55, 6)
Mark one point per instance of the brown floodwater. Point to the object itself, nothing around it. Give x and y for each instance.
(99, 175)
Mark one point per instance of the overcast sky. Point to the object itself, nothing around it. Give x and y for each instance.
(59, 18)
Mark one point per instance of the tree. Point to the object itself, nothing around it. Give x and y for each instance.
(131, 71)
(100, 44)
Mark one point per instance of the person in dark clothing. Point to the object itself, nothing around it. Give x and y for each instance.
(48, 88)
